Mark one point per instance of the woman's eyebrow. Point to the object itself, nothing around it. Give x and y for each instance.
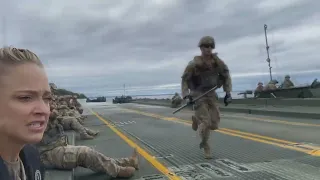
(46, 92)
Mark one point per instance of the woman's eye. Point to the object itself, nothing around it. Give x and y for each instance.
(24, 98)
(48, 98)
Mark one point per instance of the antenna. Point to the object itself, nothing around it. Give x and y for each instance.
(267, 48)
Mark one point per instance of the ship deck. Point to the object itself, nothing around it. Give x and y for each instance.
(245, 147)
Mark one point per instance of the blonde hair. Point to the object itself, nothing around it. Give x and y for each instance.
(10, 56)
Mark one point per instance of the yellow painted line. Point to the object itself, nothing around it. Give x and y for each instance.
(311, 150)
(268, 120)
(315, 153)
(258, 136)
(163, 169)
(267, 142)
(276, 121)
(289, 143)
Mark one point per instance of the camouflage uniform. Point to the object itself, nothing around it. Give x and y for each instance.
(271, 85)
(53, 87)
(66, 111)
(198, 77)
(176, 100)
(62, 101)
(258, 89)
(56, 153)
(74, 113)
(73, 108)
(76, 104)
(72, 102)
(71, 123)
(287, 83)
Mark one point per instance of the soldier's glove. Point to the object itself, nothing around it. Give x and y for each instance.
(189, 99)
(227, 99)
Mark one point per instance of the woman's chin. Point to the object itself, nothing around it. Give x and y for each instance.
(34, 138)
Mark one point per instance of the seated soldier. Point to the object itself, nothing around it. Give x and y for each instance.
(56, 153)
(71, 123)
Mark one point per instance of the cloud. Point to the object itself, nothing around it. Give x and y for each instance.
(97, 46)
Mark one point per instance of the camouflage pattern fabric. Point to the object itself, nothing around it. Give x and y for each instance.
(199, 76)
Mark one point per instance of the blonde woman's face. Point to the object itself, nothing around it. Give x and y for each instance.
(24, 103)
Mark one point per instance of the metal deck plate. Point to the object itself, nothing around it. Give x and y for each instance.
(177, 146)
(110, 144)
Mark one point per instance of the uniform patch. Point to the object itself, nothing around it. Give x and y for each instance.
(37, 175)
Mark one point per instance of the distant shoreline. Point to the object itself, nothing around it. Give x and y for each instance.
(170, 95)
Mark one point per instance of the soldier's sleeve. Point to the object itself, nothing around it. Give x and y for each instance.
(60, 128)
(187, 74)
(227, 83)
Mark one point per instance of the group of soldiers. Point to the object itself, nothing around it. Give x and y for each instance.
(202, 73)
(55, 152)
(272, 85)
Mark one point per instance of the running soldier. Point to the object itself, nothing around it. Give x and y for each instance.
(201, 74)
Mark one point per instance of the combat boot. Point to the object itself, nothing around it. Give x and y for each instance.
(126, 172)
(92, 133)
(86, 137)
(194, 123)
(207, 152)
(134, 159)
(80, 121)
(206, 149)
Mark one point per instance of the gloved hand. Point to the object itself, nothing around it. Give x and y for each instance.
(227, 99)
(189, 99)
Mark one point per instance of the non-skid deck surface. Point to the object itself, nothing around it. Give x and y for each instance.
(176, 146)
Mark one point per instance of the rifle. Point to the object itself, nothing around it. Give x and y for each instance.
(194, 100)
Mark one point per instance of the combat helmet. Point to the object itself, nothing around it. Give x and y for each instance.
(53, 86)
(207, 40)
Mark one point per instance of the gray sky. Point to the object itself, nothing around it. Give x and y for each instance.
(96, 46)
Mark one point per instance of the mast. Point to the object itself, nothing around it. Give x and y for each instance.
(267, 48)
